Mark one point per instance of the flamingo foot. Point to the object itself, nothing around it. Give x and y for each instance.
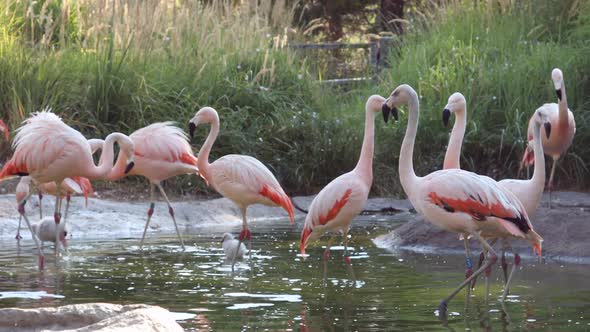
(245, 234)
(347, 260)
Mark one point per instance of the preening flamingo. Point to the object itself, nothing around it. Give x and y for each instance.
(563, 127)
(161, 152)
(528, 192)
(344, 197)
(458, 200)
(48, 150)
(242, 179)
(73, 186)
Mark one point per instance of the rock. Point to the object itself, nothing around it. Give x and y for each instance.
(564, 229)
(90, 317)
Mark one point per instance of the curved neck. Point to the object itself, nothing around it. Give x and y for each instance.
(453, 154)
(406, 165)
(365, 163)
(539, 170)
(203, 158)
(118, 171)
(105, 164)
(563, 114)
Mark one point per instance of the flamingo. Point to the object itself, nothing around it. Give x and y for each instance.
(564, 129)
(4, 129)
(528, 192)
(344, 197)
(233, 248)
(48, 150)
(161, 152)
(457, 200)
(242, 179)
(71, 186)
(45, 230)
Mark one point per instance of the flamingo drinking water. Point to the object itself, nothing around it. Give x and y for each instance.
(242, 179)
(458, 200)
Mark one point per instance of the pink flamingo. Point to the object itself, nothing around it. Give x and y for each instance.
(344, 197)
(528, 192)
(242, 179)
(458, 200)
(48, 150)
(564, 129)
(4, 129)
(161, 152)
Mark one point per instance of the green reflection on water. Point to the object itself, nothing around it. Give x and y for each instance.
(277, 290)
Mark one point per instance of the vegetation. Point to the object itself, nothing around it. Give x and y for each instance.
(119, 65)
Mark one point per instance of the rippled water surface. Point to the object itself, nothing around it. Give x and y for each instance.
(277, 290)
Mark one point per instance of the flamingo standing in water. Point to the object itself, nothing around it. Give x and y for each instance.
(458, 200)
(242, 179)
(161, 152)
(74, 186)
(48, 150)
(564, 128)
(344, 197)
(528, 192)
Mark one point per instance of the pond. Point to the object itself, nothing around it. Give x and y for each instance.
(278, 290)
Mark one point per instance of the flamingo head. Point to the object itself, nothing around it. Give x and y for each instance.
(455, 104)
(557, 78)
(4, 129)
(542, 118)
(204, 115)
(227, 237)
(307, 235)
(374, 104)
(128, 147)
(402, 95)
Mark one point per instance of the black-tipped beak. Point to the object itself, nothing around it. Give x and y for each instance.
(548, 129)
(129, 167)
(558, 93)
(386, 110)
(191, 129)
(446, 116)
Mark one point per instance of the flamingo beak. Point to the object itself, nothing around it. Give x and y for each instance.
(558, 93)
(191, 129)
(548, 129)
(129, 167)
(386, 110)
(305, 234)
(446, 116)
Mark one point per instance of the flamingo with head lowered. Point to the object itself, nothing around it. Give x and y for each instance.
(242, 179)
(48, 150)
(563, 127)
(457, 200)
(161, 152)
(344, 197)
(528, 192)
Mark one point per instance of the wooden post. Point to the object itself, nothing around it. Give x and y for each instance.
(385, 45)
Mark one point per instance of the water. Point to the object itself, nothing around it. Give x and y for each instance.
(277, 290)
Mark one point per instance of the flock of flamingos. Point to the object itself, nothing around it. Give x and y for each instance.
(58, 160)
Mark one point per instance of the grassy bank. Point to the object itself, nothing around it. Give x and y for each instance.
(121, 67)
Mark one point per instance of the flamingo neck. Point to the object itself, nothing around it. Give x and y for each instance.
(365, 163)
(538, 178)
(563, 110)
(118, 171)
(453, 154)
(408, 177)
(203, 158)
(105, 164)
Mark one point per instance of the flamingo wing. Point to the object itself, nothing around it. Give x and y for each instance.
(459, 191)
(251, 176)
(163, 141)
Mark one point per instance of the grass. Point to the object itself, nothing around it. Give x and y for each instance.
(105, 68)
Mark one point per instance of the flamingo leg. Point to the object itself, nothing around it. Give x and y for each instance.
(149, 213)
(244, 235)
(327, 251)
(550, 184)
(171, 211)
(442, 308)
(468, 265)
(21, 211)
(503, 260)
(481, 259)
(57, 217)
(68, 198)
(40, 194)
(346, 257)
(515, 265)
(18, 237)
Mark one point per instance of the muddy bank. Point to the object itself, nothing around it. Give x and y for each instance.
(565, 229)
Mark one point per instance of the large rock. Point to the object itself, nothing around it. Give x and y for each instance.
(565, 229)
(90, 317)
